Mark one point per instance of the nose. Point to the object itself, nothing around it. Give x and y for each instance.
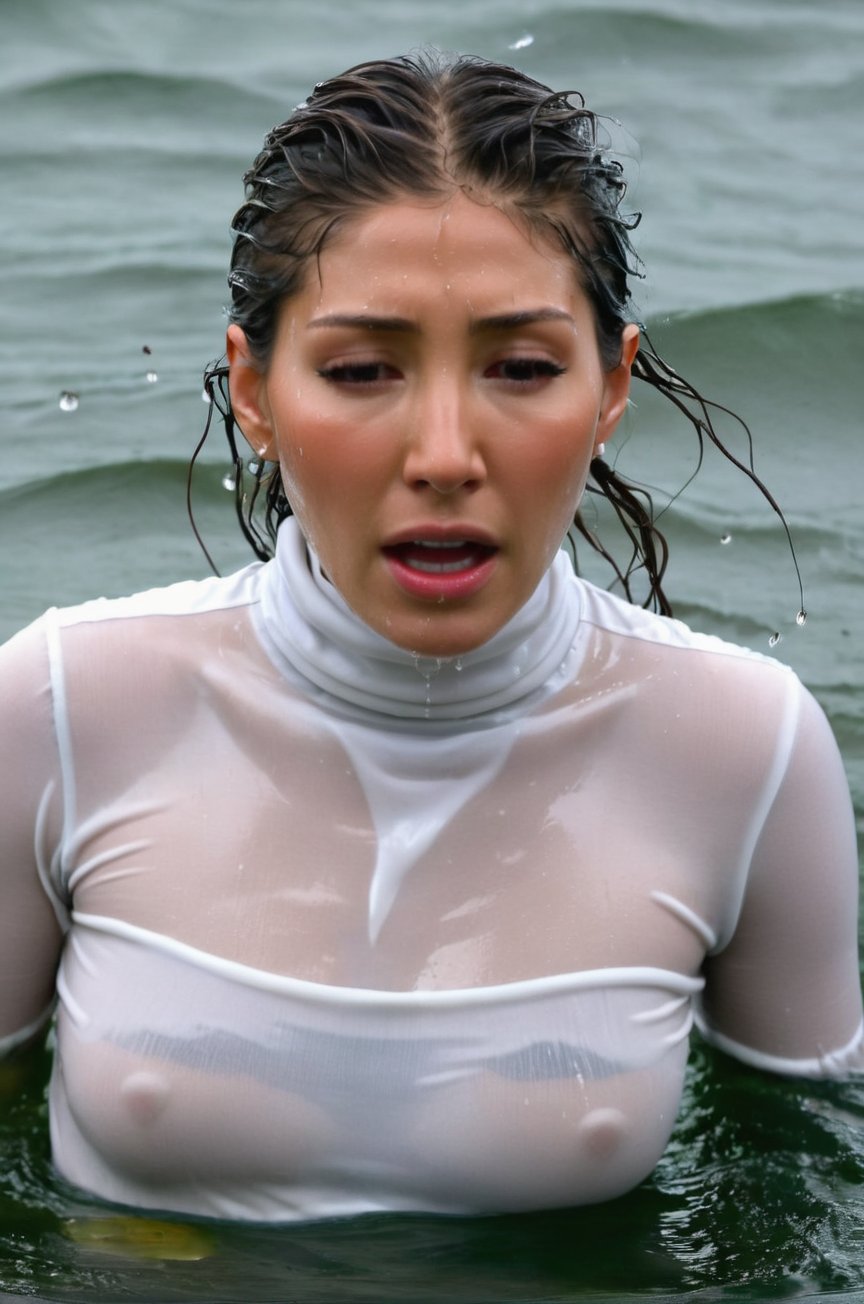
(443, 451)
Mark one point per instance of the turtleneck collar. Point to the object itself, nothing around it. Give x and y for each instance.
(307, 622)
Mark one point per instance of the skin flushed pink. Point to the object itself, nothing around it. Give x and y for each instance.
(434, 398)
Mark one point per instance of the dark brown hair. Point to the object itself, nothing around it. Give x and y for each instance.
(422, 126)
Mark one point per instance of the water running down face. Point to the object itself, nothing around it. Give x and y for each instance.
(434, 398)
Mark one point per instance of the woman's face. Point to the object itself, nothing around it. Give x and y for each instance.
(434, 398)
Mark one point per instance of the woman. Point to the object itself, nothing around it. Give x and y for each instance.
(394, 870)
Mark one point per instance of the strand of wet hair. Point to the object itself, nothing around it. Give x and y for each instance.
(219, 399)
(211, 408)
(634, 509)
(653, 370)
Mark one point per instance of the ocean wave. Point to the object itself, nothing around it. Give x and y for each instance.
(668, 32)
(110, 530)
(793, 311)
(130, 87)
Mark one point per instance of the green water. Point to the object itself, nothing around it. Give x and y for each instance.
(124, 128)
(759, 1197)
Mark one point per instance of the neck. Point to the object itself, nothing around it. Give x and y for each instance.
(318, 638)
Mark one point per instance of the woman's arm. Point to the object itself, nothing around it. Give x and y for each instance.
(31, 917)
(785, 993)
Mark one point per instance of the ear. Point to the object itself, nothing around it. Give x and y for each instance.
(246, 383)
(616, 386)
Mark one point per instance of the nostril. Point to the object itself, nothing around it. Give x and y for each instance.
(444, 464)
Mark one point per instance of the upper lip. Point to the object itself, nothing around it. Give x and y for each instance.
(437, 532)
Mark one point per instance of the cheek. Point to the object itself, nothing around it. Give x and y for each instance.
(555, 467)
(551, 487)
(303, 448)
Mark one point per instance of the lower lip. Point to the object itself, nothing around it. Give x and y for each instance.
(443, 585)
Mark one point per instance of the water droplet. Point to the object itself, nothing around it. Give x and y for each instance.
(205, 397)
(457, 664)
(229, 483)
(801, 618)
(68, 400)
(522, 42)
(725, 538)
(152, 377)
(517, 671)
(253, 466)
(774, 639)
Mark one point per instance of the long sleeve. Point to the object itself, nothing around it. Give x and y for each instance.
(785, 994)
(31, 916)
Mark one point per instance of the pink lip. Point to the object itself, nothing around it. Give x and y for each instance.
(461, 565)
(435, 530)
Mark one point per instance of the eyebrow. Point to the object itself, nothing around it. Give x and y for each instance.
(500, 322)
(509, 321)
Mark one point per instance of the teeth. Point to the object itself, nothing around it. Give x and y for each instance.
(439, 543)
(439, 567)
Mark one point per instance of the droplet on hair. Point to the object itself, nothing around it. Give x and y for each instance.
(801, 618)
(205, 397)
(229, 482)
(725, 538)
(457, 664)
(152, 377)
(253, 466)
(68, 400)
(522, 42)
(774, 639)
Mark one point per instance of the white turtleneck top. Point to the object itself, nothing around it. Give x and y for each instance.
(342, 929)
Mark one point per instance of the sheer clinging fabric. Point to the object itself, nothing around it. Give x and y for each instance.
(354, 930)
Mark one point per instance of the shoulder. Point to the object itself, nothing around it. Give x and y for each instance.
(164, 624)
(116, 652)
(674, 645)
(689, 684)
(603, 610)
(186, 599)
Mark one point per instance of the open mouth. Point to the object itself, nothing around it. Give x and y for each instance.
(435, 557)
(440, 569)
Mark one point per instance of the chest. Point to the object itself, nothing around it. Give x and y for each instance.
(354, 858)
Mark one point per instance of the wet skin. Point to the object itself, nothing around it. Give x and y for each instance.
(434, 398)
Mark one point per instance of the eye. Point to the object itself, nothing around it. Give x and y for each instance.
(358, 374)
(524, 371)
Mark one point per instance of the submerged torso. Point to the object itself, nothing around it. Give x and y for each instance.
(327, 957)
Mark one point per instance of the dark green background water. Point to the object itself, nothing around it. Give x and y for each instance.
(124, 128)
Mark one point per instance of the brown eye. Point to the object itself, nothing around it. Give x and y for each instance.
(358, 373)
(523, 371)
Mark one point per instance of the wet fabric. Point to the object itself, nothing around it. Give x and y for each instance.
(349, 929)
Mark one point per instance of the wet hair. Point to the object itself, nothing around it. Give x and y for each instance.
(421, 127)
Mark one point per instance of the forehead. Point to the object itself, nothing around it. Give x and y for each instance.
(454, 247)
